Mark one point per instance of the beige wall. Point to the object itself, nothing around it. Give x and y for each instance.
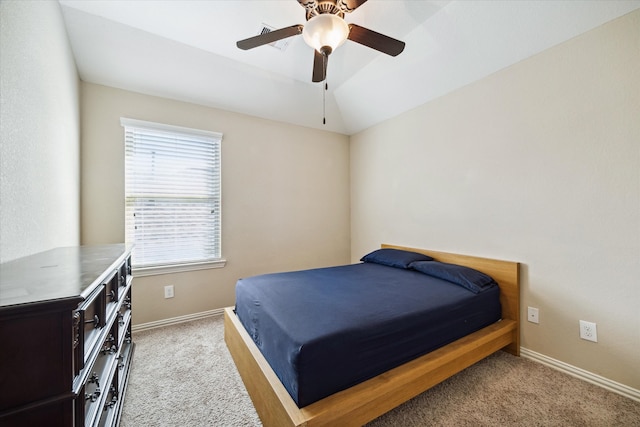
(538, 163)
(39, 131)
(285, 196)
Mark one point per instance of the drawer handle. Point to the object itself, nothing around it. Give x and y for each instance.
(113, 295)
(109, 347)
(95, 321)
(93, 396)
(114, 399)
(123, 280)
(94, 379)
(120, 361)
(120, 319)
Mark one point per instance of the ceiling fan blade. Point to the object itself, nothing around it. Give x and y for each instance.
(377, 41)
(270, 37)
(319, 66)
(350, 5)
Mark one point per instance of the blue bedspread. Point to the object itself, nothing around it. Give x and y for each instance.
(327, 329)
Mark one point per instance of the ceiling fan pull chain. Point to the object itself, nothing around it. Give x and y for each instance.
(324, 104)
(324, 92)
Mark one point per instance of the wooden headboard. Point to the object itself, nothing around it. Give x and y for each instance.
(505, 273)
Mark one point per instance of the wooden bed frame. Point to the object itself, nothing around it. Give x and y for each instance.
(372, 398)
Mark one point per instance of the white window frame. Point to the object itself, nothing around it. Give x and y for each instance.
(131, 125)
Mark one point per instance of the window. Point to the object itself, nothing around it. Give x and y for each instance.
(172, 197)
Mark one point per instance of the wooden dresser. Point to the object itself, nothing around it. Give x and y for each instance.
(65, 336)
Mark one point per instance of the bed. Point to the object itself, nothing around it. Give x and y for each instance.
(276, 401)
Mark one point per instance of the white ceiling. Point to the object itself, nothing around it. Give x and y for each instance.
(186, 50)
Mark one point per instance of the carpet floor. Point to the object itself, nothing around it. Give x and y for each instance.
(183, 375)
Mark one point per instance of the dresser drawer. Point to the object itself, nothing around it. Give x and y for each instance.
(111, 404)
(124, 359)
(124, 273)
(88, 322)
(92, 320)
(112, 286)
(98, 384)
(115, 399)
(124, 317)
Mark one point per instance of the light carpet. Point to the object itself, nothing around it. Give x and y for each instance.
(183, 375)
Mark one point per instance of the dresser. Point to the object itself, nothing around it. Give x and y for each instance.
(65, 336)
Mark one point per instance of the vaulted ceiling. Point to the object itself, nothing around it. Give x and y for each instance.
(186, 50)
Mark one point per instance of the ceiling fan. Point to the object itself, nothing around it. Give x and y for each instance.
(325, 31)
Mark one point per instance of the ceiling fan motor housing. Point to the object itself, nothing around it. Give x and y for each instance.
(333, 7)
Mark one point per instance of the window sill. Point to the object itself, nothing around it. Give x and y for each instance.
(177, 268)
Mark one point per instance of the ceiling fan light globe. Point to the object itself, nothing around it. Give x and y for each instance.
(325, 30)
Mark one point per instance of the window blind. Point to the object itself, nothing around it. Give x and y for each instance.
(172, 194)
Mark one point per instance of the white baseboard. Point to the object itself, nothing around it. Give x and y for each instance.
(592, 378)
(176, 320)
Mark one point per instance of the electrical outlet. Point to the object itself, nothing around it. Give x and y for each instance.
(168, 291)
(533, 315)
(588, 331)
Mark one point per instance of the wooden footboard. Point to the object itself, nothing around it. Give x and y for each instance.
(370, 399)
(366, 401)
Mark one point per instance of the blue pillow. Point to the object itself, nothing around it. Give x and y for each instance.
(394, 257)
(471, 279)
